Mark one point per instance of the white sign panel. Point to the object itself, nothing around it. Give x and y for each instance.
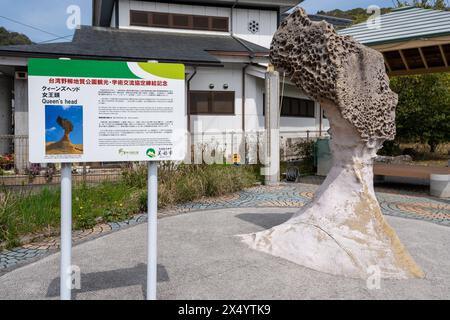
(102, 111)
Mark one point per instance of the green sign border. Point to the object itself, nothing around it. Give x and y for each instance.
(101, 69)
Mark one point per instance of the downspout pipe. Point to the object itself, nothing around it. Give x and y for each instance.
(244, 140)
(117, 14)
(232, 17)
(244, 72)
(188, 103)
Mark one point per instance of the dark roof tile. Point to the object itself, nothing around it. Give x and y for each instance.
(109, 43)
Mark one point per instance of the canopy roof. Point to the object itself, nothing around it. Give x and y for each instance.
(412, 40)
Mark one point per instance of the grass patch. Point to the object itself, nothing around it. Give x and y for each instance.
(26, 213)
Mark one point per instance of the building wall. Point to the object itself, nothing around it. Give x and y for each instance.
(267, 20)
(225, 131)
(231, 75)
(126, 5)
(254, 90)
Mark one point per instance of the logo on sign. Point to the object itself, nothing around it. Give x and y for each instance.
(151, 153)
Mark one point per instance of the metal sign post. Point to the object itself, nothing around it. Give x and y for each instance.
(66, 231)
(152, 207)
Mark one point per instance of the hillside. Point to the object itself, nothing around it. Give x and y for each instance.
(357, 15)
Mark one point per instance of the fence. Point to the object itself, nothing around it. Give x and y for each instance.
(249, 143)
(16, 171)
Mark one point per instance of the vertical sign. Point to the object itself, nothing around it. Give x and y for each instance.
(95, 111)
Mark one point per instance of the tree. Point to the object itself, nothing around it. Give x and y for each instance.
(12, 38)
(359, 15)
(423, 111)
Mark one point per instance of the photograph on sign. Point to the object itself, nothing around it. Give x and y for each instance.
(96, 111)
(63, 129)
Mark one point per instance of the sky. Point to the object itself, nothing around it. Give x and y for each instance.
(51, 16)
(48, 15)
(54, 132)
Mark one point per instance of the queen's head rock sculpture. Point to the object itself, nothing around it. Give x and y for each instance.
(67, 127)
(342, 231)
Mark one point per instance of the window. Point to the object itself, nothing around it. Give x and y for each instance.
(200, 22)
(199, 102)
(211, 102)
(160, 19)
(219, 24)
(295, 107)
(178, 21)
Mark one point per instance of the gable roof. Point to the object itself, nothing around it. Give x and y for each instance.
(119, 44)
(402, 24)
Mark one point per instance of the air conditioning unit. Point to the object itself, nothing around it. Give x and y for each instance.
(21, 75)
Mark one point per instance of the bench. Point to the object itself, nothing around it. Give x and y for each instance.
(436, 175)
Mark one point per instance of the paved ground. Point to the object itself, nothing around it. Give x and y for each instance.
(394, 202)
(200, 258)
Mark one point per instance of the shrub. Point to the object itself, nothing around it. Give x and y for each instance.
(135, 176)
(390, 148)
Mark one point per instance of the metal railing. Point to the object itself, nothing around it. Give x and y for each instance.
(231, 142)
(16, 170)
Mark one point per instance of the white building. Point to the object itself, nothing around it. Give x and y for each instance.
(223, 43)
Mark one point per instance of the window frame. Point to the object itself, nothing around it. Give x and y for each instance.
(139, 24)
(211, 101)
(152, 23)
(211, 21)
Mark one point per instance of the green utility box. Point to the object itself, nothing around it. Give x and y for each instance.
(323, 159)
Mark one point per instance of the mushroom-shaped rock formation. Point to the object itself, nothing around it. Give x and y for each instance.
(342, 231)
(67, 126)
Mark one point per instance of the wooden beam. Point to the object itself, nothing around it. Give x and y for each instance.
(412, 44)
(404, 59)
(402, 170)
(387, 65)
(443, 55)
(424, 60)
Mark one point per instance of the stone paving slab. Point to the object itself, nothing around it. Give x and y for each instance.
(200, 257)
(394, 202)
